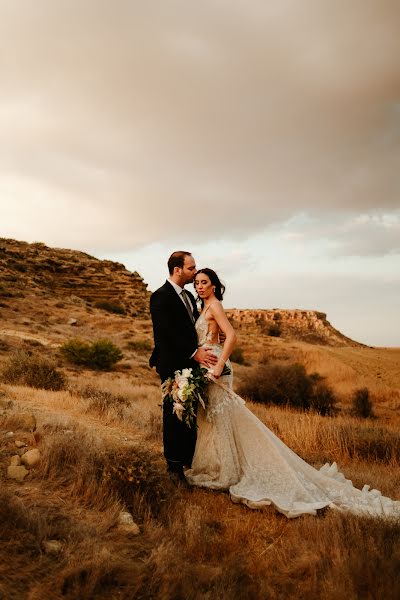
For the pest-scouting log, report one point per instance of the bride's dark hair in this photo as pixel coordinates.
(215, 281)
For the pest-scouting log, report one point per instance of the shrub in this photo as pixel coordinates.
(4, 346)
(237, 356)
(362, 404)
(23, 368)
(110, 307)
(278, 384)
(100, 401)
(139, 345)
(288, 385)
(100, 355)
(323, 399)
(274, 330)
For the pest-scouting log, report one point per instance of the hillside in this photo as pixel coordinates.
(63, 273)
(73, 277)
(96, 515)
(306, 325)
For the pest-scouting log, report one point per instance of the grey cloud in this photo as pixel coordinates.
(137, 118)
(369, 234)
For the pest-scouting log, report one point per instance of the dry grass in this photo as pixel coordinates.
(101, 452)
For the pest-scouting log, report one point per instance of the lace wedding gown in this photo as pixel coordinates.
(235, 451)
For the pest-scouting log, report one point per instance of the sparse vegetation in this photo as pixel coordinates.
(140, 345)
(33, 370)
(110, 307)
(362, 404)
(101, 452)
(237, 356)
(101, 401)
(288, 385)
(273, 330)
(101, 354)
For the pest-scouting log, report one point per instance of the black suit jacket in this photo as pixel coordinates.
(175, 337)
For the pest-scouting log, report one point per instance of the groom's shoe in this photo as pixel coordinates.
(179, 479)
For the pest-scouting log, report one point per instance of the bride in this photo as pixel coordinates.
(235, 451)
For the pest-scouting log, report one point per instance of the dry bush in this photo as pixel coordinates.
(4, 346)
(110, 307)
(139, 480)
(102, 401)
(237, 356)
(33, 370)
(287, 385)
(154, 426)
(140, 345)
(362, 404)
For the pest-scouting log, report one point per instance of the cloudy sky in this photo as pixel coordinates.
(264, 136)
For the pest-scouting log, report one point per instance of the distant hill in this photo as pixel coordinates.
(35, 276)
(305, 325)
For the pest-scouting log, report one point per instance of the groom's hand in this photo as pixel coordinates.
(206, 357)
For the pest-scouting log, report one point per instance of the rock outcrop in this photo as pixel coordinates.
(307, 325)
(68, 273)
(76, 282)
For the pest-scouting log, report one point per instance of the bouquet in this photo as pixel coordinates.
(185, 390)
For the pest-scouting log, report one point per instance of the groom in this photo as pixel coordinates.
(174, 313)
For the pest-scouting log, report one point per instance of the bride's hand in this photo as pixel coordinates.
(217, 370)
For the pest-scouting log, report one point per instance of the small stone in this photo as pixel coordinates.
(52, 546)
(72, 322)
(9, 434)
(17, 472)
(127, 523)
(15, 460)
(31, 458)
(20, 444)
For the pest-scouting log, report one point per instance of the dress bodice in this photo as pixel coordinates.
(204, 334)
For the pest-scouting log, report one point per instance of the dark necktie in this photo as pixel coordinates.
(187, 304)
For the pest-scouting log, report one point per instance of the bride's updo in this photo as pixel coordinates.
(215, 281)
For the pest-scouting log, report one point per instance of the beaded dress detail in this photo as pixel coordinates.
(236, 452)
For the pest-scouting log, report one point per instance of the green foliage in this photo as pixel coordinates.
(24, 368)
(237, 356)
(288, 385)
(362, 404)
(139, 345)
(100, 355)
(110, 307)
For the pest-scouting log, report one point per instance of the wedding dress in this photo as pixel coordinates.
(235, 451)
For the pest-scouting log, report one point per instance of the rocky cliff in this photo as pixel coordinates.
(69, 276)
(65, 273)
(307, 325)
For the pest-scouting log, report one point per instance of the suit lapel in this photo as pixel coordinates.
(178, 302)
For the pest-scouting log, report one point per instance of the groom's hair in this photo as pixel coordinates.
(177, 259)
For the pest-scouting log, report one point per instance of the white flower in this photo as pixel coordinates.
(177, 410)
(180, 394)
(187, 373)
(181, 381)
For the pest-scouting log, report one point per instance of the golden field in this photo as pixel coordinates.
(101, 453)
(99, 458)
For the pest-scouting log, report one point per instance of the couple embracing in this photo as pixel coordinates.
(232, 450)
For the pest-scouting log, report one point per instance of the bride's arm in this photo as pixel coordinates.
(217, 311)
